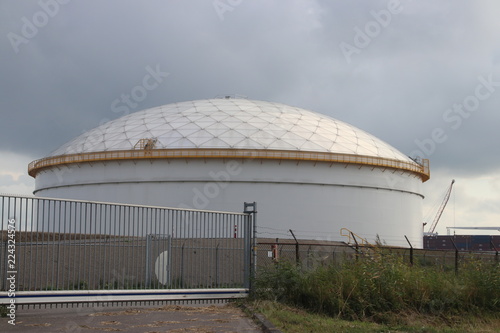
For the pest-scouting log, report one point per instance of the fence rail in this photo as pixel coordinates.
(80, 246)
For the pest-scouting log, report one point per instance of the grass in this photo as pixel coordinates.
(294, 320)
(384, 292)
(3, 311)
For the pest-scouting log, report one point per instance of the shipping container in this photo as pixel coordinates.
(481, 247)
(496, 242)
(463, 239)
(477, 239)
(462, 242)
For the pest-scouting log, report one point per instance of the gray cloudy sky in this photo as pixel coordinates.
(422, 75)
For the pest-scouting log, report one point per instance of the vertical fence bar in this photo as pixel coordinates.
(254, 239)
(4, 263)
(90, 282)
(247, 263)
(216, 266)
(202, 279)
(42, 241)
(4, 248)
(169, 261)
(182, 266)
(33, 247)
(111, 252)
(87, 282)
(51, 242)
(61, 231)
(148, 261)
(103, 242)
(83, 224)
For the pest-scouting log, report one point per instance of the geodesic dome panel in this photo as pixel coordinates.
(231, 123)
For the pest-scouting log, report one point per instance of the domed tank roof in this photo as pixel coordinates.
(232, 124)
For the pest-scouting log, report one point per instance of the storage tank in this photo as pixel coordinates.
(308, 172)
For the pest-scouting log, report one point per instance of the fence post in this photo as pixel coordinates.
(456, 256)
(357, 246)
(309, 261)
(494, 248)
(250, 241)
(297, 255)
(411, 251)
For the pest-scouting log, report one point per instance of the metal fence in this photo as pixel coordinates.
(65, 245)
(310, 254)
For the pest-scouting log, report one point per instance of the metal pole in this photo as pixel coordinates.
(246, 251)
(297, 256)
(357, 246)
(411, 251)
(251, 209)
(494, 248)
(148, 261)
(254, 245)
(456, 256)
(169, 261)
(182, 266)
(5, 269)
(217, 265)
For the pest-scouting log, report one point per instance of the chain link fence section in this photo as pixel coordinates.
(310, 254)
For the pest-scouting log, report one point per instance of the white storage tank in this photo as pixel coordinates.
(307, 172)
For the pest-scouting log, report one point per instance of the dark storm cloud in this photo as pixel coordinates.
(424, 58)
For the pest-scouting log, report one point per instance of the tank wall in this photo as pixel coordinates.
(227, 171)
(313, 199)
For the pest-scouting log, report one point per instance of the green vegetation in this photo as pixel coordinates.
(294, 320)
(384, 290)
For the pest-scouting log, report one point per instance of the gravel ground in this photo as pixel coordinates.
(170, 318)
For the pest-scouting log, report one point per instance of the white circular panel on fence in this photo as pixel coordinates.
(161, 268)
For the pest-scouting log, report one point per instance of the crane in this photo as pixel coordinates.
(440, 210)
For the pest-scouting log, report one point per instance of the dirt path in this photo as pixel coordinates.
(171, 318)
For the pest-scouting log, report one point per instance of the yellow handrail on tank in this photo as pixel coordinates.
(354, 237)
(420, 169)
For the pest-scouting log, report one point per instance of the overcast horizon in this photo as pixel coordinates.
(423, 76)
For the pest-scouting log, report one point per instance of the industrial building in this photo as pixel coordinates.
(307, 172)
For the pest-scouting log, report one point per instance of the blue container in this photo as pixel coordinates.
(480, 239)
(461, 238)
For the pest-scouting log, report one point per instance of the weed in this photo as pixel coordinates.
(376, 287)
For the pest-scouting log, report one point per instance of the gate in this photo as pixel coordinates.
(65, 251)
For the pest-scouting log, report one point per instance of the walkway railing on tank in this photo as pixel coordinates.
(421, 169)
(65, 245)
